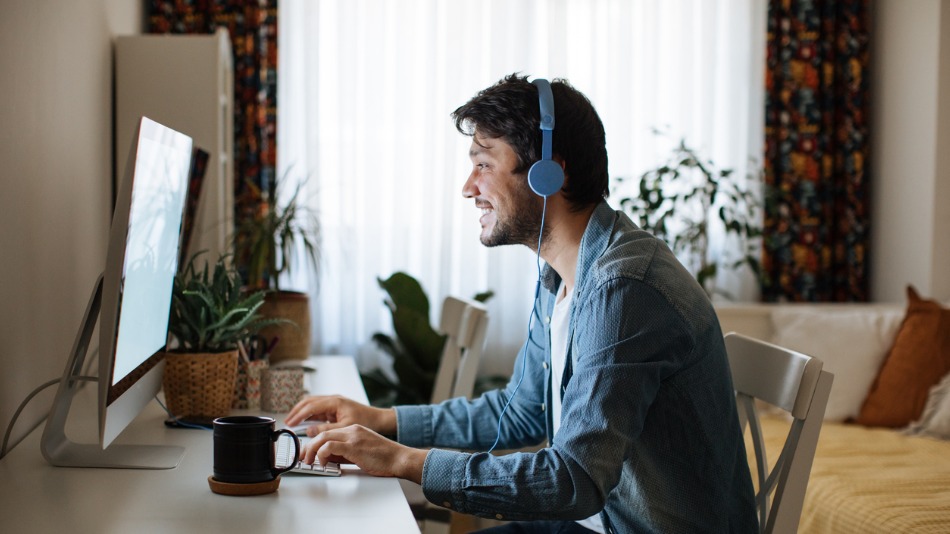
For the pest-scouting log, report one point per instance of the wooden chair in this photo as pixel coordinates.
(796, 384)
(465, 322)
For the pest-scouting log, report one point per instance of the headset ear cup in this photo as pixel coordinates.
(546, 177)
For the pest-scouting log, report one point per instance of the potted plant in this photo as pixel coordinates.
(211, 315)
(679, 200)
(266, 243)
(416, 349)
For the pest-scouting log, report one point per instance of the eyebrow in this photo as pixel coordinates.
(481, 149)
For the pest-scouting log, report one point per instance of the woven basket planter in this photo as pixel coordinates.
(294, 339)
(200, 385)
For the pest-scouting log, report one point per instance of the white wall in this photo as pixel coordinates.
(55, 163)
(940, 264)
(910, 139)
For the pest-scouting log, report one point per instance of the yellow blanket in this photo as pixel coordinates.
(868, 480)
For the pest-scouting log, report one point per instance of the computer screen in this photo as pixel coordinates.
(132, 301)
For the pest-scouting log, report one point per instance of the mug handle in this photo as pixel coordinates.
(276, 435)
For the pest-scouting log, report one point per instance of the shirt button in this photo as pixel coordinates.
(545, 365)
(547, 319)
(542, 407)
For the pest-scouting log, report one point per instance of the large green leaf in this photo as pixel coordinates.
(415, 382)
(484, 296)
(419, 339)
(416, 349)
(405, 292)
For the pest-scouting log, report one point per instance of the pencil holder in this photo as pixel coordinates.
(281, 388)
(247, 388)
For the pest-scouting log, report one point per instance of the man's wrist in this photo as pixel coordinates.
(412, 464)
(386, 422)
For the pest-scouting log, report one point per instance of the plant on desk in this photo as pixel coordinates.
(416, 349)
(211, 315)
(265, 243)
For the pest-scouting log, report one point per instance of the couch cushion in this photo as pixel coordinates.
(918, 360)
(851, 343)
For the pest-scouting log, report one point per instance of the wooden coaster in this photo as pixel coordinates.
(243, 490)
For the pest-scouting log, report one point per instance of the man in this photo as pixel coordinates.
(624, 371)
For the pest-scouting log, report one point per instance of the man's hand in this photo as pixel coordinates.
(374, 454)
(338, 412)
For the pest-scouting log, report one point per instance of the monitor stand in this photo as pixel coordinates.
(56, 446)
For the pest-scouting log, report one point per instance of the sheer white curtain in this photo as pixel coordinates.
(365, 92)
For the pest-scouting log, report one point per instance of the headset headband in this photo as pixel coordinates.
(546, 176)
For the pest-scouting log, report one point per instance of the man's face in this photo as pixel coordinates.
(511, 213)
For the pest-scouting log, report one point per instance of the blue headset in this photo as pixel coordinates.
(546, 176)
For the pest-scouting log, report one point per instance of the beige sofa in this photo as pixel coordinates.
(863, 479)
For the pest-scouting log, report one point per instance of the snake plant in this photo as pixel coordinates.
(210, 310)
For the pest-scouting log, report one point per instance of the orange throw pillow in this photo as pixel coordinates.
(918, 360)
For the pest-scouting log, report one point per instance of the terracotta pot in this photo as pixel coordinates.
(293, 339)
(200, 385)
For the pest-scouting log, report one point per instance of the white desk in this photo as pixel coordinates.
(37, 497)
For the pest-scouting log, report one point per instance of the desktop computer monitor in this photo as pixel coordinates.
(132, 302)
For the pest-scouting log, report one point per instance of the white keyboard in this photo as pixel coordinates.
(285, 457)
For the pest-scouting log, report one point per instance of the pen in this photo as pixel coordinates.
(270, 346)
(243, 352)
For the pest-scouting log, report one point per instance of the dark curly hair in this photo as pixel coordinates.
(509, 110)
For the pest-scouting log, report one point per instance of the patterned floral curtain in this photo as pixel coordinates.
(252, 25)
(816, 205)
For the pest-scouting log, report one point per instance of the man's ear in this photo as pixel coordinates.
(560, 161)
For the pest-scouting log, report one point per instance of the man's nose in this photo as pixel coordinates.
(469, 189)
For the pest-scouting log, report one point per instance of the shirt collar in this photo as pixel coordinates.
(593, 244)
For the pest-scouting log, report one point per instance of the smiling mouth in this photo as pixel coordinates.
(486, 210)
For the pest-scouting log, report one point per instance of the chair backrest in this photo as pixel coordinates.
(465, 323)
(797, 384)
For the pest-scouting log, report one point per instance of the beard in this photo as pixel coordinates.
(522, 225)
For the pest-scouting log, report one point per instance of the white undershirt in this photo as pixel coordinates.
(560, 326)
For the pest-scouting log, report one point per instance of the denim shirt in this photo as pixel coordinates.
(649, 432)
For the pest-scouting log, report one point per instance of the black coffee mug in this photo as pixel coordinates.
(244, 449)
